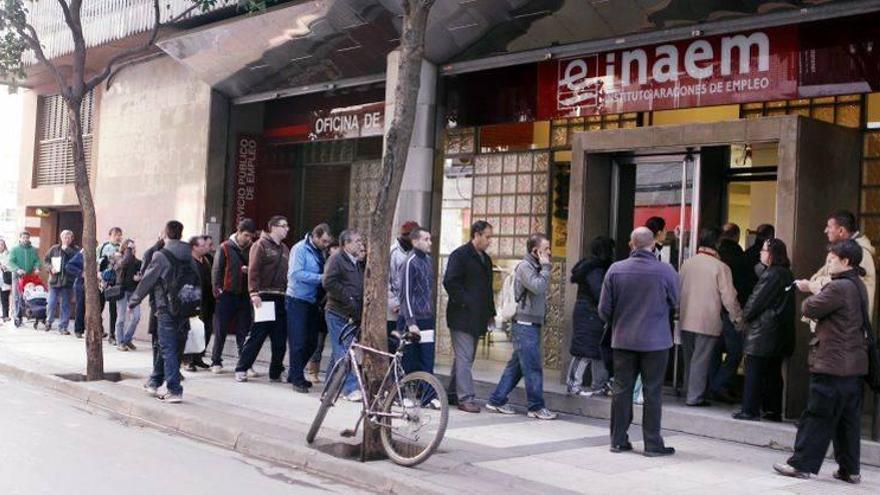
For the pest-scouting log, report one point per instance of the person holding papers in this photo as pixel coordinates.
(60, 284)
(267, 284)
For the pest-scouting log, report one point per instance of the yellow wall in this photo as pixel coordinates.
(696, 115)
(873, 110)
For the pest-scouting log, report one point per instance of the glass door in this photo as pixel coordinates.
(657, 185)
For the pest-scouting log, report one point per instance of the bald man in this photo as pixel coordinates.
(637, 296)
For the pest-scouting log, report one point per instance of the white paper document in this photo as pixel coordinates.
(56, 264)
(266, 312)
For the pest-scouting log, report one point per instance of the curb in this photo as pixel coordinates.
(383, 478)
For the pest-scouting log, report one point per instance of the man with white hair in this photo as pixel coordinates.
(637, 295)
(60, 282)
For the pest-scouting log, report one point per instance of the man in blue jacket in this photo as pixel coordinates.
(416, 298)
(74, 269)
(637, 295)
(304, 276)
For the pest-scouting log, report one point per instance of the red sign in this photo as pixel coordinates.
(337, 123)
(246, 167)
(733, 68)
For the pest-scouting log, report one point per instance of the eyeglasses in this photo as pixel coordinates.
(283, 226)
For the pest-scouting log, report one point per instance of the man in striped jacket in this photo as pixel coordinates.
(417, 303)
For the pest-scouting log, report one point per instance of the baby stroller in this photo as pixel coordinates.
(32, 301)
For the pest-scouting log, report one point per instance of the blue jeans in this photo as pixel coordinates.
(419, 357)
(64, 297)
(302, 336)
(733, 347)
(524, 363)
(335, 324)
(127, 320)
(172, 336)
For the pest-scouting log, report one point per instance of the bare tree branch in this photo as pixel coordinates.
(110, 69)
(30, 36)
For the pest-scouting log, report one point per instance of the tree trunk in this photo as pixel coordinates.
(373, 330)
(94, 329)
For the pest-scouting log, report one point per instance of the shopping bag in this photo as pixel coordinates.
(195, 340)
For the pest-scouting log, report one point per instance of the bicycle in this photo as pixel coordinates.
(410, 410)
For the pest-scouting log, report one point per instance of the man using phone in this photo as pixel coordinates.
(229, 278)
(532, 279)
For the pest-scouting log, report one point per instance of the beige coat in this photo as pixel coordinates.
(822, 277)
(706, 288)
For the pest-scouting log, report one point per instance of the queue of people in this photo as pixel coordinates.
(730, 304)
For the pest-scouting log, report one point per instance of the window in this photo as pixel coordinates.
(53, 163)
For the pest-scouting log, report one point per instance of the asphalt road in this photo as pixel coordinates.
(50, 445)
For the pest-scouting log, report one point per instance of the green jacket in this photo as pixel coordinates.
(24, 258)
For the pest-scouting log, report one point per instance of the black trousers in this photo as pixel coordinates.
(112, 310)
(79, 322)
(652, 367)
(277, 333)
(833, 415)
(4, 299)
(763, 385)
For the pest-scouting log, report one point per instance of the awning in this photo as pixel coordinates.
(321, 41)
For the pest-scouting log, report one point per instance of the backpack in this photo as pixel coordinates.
(183, 287)
(509, 300)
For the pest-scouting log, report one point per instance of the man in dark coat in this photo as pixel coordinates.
(742, 269)
(470, 310)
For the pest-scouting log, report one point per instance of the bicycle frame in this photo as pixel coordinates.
(371, 406)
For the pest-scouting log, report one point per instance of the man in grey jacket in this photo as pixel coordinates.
(171, 330)
(530, 287)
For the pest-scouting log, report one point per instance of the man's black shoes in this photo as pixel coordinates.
(625, 447)
(662, 452)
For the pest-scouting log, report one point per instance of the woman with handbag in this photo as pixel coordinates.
(5, 279)
(127, 270)
(769, 335)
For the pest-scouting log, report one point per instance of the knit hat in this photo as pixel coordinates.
(408, 227)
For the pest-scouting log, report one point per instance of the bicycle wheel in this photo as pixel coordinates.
(419, 413)
(329, 396)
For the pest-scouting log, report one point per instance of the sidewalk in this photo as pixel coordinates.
(481, 453)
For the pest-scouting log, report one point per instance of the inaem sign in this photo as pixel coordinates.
(753, 66)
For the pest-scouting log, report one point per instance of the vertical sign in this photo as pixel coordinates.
(246, 168)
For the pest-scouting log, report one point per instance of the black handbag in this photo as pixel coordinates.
(113, 293)
(7, 278)
(873, 376)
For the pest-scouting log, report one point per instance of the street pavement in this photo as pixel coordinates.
(52, 445)
(481, 453)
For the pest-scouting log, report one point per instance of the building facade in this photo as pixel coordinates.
(543, 120)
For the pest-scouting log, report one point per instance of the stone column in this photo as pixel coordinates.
(414, 202)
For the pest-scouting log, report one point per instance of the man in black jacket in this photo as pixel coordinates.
(60, 283)
(344, 282)
(471, 309)
(744, 279)
(229, 278)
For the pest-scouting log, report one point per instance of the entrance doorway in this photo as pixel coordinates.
(769, 170)
(661, 185)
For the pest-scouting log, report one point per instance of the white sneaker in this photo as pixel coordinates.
(216, 369)
(171, 398)
(151, 390)
(355, 396)
(543, 414)
(504, 409)
(252, 374)
(241, 376)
